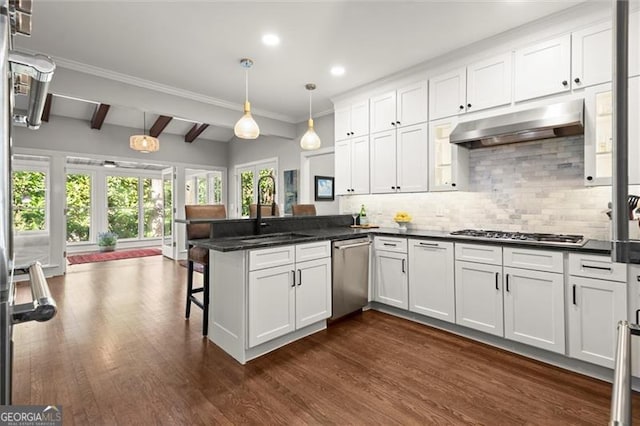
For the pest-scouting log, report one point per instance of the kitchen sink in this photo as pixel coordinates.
(272, 238)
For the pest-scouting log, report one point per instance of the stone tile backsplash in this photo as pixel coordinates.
(534, 186)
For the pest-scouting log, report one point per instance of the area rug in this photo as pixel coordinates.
(112, 255)
(196, 266)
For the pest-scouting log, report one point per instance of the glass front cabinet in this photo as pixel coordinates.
(449, 163)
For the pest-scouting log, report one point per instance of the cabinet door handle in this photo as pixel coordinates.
(497, 277)
(507, 278)
(468, 105)
(299, 277)
(393, 124)
(576, 80)
(293, 278)
(389, 244)
(589, 177)
(600, 268)
(393, 187)
(637, 316)
(565, 83)
(429, 244)
(397, 122)
(461, 107)
(574, 295)
(404, 265)
(397, 187)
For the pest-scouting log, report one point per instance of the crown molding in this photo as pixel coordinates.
(162, 88)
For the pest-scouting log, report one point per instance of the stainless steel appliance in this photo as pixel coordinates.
(350, 286)
(524, 237)
(27, 74)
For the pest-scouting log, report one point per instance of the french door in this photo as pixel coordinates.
(168, 213)
(248, 177)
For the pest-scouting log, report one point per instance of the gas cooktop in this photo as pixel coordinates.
(562, 239)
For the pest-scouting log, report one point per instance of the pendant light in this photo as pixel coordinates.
(144, 143)
(246, 127)
(310, 139)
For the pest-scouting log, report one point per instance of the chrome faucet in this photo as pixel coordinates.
(259, 223)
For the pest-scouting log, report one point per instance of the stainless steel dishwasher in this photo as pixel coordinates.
(350, 287)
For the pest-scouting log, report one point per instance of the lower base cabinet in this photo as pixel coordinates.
(391, 285)
(534, 308)
(479, 303)
(595, 306)
(431, 279)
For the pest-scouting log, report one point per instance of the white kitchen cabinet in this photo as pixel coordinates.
(351, 121)
(447, 94)
(595, 306)
(591, 55)
(399, 160)
(543, 69)
(534, 308)
(448, 163)
(271, 303)
(634, 44)
(352, 166)
(431, 279)
(313, 291)
(391, 284)
(633, 293)
(598, 133)
(399, 108)
(286, 298)
(479, 302)
(489, 83)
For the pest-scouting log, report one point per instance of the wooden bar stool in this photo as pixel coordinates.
(303, 210)
(200, 255)
(265, 210)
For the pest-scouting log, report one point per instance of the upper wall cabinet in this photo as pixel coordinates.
(591, 55)
(448, 94)
(489, 83)
(352, 166)
(483, 84)
(399, 108)
(634, 44)
(352, 121)
(448, 163)
(543, 69)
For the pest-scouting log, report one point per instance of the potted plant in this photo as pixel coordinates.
(107, 241)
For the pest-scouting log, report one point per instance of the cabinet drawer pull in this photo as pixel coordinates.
(293, 278)
(574, 295)
(497, 276)
(299, 277)
(507, 278)
(389, 244)
(600, 268)
(429, 244)
(637, 316)
(404, 269)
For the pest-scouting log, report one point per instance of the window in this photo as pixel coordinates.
(249, 178)
(29, 200)
(122, 206)
(152, 205)
(203, 187)
(78, 207)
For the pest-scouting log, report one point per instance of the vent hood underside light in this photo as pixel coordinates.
(551, 121)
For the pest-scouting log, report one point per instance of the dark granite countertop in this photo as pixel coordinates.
(248, 242)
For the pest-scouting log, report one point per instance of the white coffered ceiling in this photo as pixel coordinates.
(196, 45)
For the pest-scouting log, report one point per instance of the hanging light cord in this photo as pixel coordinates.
(310, 95)
(246, 85)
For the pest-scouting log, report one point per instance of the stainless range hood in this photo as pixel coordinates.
(549, 121)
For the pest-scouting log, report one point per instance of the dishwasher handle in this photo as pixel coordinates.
(348, 246)
(42, 307)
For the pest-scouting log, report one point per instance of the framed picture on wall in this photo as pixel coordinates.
(324, 188)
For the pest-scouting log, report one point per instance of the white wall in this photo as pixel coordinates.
(265, 147)
(322, 165)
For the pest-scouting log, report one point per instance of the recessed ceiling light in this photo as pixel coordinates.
(271, 39)
(337, 70)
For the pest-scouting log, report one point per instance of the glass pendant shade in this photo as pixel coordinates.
(310, 139)
(144, 143)
(246, 127)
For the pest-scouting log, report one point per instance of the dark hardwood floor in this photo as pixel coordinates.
(120, 352)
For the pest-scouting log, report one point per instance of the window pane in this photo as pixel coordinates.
(78, 207)
(29, 201)
(202, 190)
(152, 205)
(215, 182)
(266, 186)
(246, 182)
(167, 188)
(122, 206)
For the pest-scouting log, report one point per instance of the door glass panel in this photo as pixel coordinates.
(152, 207)
(201, 183)
(167, 216)
(604, 128)
(78, 207)
(122, 206)
(266, 186)
(29, 200)
(215, 185)
(246, 191)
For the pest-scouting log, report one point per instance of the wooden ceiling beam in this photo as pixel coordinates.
(47, 108)
(159, 125)
(195, 131)
(99, 115)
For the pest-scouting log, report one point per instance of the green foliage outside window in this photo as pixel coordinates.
(29, 200)
(122, 206)
(78, 207)
(246, 187)
(152, 202)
